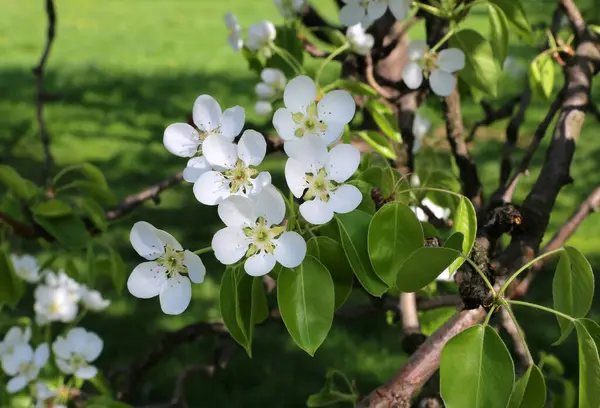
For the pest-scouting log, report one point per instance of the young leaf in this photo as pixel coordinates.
(355, 87)
(529, 390)
(94, 211)
(572, 288)
(515, 13)
(68, 230)
(305, 296)
(394, 234)
(11, 286)
(481, 68)
(379, 178)
(52, 209)
(331, 254)
(541, 75)
(117, 270)
(89, 189)
(423, 266)
(385, 119)
(429, 231)
(455, 241)
(588, 338)
(379, 143)
(354, 228)
(229, 302)
(24, 189)
(465, 222)
(498, 32)
(476, 370)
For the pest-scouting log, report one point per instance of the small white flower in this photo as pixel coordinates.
(24, 365)
(420, 127)
(235, 32)
(26, 267)
(439, 67)
(360, 42)
(93, 300)
(57, 299)
(14, 337)
(45, 397)
(237, 163)
(260, 37)
(290, 8)
(367, 11)
(253, 231)
(75, 352)
(169, 271)
(438, 211)
(318, 177)
(303, 116)
(263, 108)
(272, 84)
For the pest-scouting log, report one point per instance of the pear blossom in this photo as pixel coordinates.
(439, 67)
(272, 84)
(235, 32)
(57, 299)
(24, 365)
(318, 176)
(260, 37)
(196, 166)
(253, 232)
(360, 42)
(420, 127)
(263, 108)
(290, 8)
(26, 267)
(367, 11)
(45, 397)
(74, 352)
(238, 162)
(168, 272)
(13, 338)
(93, 300)
(303, 116)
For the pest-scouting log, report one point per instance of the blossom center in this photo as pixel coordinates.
(261, 236)
(319, 186)
(309, 122)
(364, 3)
(77, 361)
(172, 260)
(240, 177)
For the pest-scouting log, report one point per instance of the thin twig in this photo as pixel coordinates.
(372, 81)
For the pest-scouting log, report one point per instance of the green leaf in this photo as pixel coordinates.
(594, 28)
(379, 178)
(68, 230)
(465, 222)
(331, 254)
(254, 63)
(260, 307)
(117, 270)
(105, 402)
(498, 32)
(334, 35)
(89, 171)
(476, 370)
(288, 40)
(429, 231)
(367, 204)
(331, 393)
(305, 296)
(431, 320)
(588, 338)
(455, 241)
(354, 228)
(385, 119)
(12, 287)
(568, 398)
(52, 209)
(515, 13)
(481, 68)
(378, 142)
(88, 188)
(541, 75)
(572, 288)
(394, 234)
(94, 212)
(355, 87)
(552, 364)
(231, 298)
(530, 390)
(23, 188)
(423, 266)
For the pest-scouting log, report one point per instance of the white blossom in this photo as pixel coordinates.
(272, 83)
(93, 300)
(303, 116)
(196, 166)
(26, 267)
(260, 37)
(237, 163)
(360, 41)
(439, 67)
(235, 32)
(367, 11)
(420, 127)
(263, 108)
(24, 365)
(318, 176)
(75, 352)
(57, 299)
(253, 232)
(14, 337)
(45, 397)
(168, 272)
(290, 8)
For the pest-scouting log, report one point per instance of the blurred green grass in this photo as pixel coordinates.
(121, 72)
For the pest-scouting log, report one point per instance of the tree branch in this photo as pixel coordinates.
(21, 229)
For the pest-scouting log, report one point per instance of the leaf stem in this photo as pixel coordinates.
(327, 60)
(519, 331)
(288, 58)
(441, 42)
(544, 308)
(525, 267)
(489, 315)
(480, 272)
(203, 250)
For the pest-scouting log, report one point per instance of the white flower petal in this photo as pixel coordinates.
(421, 216)
(264, 91)
(316, 211)
(259, 264)
(211, 188)
(295, 176)
(345, 199)
(42, 353)
(263, 108)
(376, 9)
(333, 133)
(145, 241)
(93, 347)
(420, 126)
(219, 151)
(175, 295)
(235, 41)
(61, 348)
(259, 182)
(252, 148)
(416, 50)
(337, 106)
(399, 8)
(230, 20)
(237, 211)
(11, 363)
(299, 93)
(284, 124)
(168, 239)
(230, 245)
(412, 74)
(351, 14)
(290, 249)
(451, 60)
(16, 384)
(146, 280)
(232, 122)
(195, 267)
(181, 139)
(206, 113)
(343, 162)
(64, 366)
(310, 150)
(274, 77)
(196, 167)
(269, 204)
(438, 211)
(86, 372)
(441, 82)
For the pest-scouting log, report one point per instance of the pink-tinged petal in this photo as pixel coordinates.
(145, 241)
(284, 124)
(316, 211)
(416, 50)
(230, 245)
(269, 203)
(181, 140)
(220, 152)
(175, 295)
(232, 122)
(412, 74)
(337, 106)
(343, 162)
(345, 199)
(451, 60)
(299, 93)
(441, 82)
(146, 280)
(237, 211)
(196, 167)
(195, 267)
(252, 148)
(206, 113)
(290, 249)
(259, 264)
(211, 188)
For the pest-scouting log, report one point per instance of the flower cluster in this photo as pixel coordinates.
(259, 39)
(271, 87)
(360, 42)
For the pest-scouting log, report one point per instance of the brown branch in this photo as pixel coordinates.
(372, 81)
(492, 115)
(39, 74)
(21, 229)
(512, 136)
(408, 311)
(574, 16)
